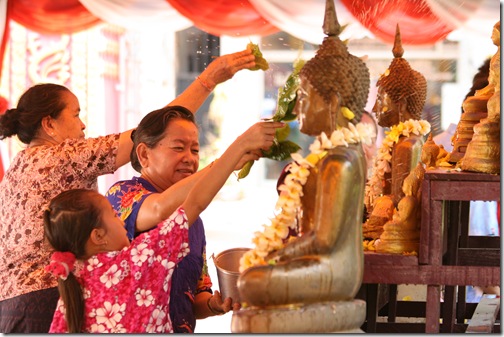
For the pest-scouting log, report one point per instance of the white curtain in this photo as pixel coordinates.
(300, 18)
(304, 19)
(139, 15)
(467, 16)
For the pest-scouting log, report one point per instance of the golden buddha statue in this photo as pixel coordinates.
(315, 276)
(483, 151)
(430, 153)
(401, 96)
(402, 233)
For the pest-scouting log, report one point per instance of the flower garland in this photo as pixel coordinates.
(382, 160)
(291, 191)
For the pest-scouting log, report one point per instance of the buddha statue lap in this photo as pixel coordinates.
(312, 284)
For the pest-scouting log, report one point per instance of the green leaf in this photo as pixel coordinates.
(287, 95)
(281, 150)
(281, 134)
(260, 61)
(245, 169)
(289, 115)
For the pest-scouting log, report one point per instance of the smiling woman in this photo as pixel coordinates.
(166, 154)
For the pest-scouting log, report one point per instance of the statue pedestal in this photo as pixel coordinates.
(342, 316)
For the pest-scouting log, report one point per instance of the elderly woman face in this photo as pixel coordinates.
(175, 156)
(68, 125)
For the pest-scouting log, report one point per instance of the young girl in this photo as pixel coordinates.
(117, 286)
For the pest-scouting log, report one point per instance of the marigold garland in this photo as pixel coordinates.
(382, 160)
(273, 236)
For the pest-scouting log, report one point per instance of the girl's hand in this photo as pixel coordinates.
(252, 155)
(259, 136)
(224, 67)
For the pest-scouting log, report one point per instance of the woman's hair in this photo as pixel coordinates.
(68, 223)
(480, 79)
(37, 102)
(152, 127)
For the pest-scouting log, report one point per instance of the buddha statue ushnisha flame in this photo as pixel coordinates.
(319, 271)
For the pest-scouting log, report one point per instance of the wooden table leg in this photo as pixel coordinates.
(449, 306)
(432, 309)
(392, 304)
(371, 307)
(461, 304)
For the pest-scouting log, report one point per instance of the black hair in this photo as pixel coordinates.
(152, 127)
(37, 102)
(68, 222)
(480, 80)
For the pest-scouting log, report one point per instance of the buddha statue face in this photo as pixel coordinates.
(387, 111)
(315, 115)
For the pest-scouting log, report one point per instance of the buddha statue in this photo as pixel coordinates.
(311, 281)
(401, 96)
(483, 151)
(401, 234)
(430, 153)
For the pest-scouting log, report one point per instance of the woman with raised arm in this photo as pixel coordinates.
(59, 157)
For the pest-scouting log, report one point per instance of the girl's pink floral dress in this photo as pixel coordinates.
(128, 291)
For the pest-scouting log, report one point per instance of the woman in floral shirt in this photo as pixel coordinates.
(166, 155)
(122, 287)
(57, 158)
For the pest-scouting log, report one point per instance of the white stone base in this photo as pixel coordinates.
(311, 318)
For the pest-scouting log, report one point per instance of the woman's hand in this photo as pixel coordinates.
(224, 67)
(219, 307)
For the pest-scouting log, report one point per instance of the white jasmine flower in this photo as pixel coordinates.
(291, 191)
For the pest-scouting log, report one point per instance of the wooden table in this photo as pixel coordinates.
(447, 255)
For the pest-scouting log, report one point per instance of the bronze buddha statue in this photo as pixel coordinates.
(322, 268)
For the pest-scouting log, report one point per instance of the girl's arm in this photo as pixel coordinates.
(260, 135)
(159, 206)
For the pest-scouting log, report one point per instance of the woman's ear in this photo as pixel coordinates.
(46, 124)
(142, 152)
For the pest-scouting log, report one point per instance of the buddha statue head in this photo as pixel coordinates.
(329, 82)
(401, 90)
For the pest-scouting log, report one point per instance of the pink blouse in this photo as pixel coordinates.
(129, 291)
(34, 177)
